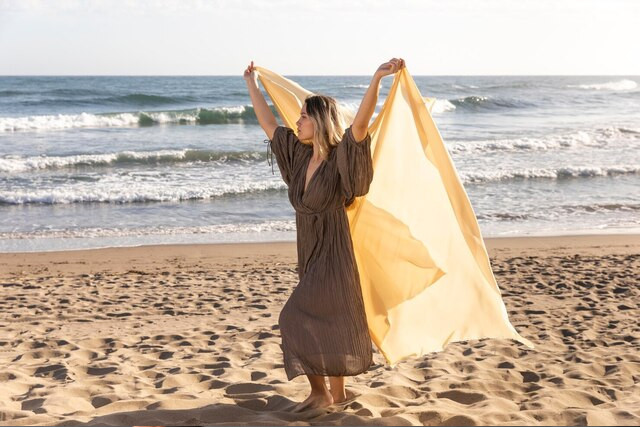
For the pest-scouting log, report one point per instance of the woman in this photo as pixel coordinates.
(323, 324)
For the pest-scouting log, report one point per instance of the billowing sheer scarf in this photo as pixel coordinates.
(425, 273)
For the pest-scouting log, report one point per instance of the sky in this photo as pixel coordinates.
(319, 37)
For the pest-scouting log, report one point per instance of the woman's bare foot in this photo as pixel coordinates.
(346, 397)
(339, 397)
(315, 400)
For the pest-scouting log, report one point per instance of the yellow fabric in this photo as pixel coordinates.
(424, 270)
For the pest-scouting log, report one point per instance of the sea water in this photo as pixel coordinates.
(90, 162)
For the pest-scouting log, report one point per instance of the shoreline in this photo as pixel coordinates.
(110, 257)
(68, 243)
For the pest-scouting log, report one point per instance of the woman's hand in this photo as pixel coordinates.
(250, 74)
(391, 67)
(262, 111)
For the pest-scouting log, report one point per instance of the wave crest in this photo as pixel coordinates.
(219, 115)
(568, 172)
(124, 192)
(624, 84)
(474, 103)
(593, 138)
(24, 164)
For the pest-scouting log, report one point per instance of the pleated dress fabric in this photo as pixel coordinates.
(323, 323)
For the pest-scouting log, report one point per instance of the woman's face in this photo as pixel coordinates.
(305, 125)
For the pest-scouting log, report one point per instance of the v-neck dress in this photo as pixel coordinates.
(323, 324)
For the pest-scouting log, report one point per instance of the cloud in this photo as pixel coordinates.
(190, 6)
(115, 7)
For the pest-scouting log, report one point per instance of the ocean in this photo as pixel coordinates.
(89, 162)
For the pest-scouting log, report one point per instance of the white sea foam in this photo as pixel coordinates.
(23, 164)
(624, 84)
(589, 138)
(17, 164)
(549, 173)
(89, 120)
(65, 121)
(86, 120)
(156, 186)
(352, 106)
(247, 227)
(525, 143)
(117, 190)
(440, 106)
(239, 109)
(443, 106)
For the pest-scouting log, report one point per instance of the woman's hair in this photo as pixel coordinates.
(328, 122)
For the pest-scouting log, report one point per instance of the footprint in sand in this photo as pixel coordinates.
(530, 377)
(165, 355)
(245, 388)
(100, 401)
(257, 375)
(463, 397)
(100, 371)
(258, 404)
(57, 371)
(460, 420)
(34, 405)
(506, 365)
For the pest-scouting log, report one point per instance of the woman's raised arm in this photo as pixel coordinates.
(264, 114)
(360, 124)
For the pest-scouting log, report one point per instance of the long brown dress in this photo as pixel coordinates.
(323, 324)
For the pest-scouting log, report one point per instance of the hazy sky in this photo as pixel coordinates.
(319, 37)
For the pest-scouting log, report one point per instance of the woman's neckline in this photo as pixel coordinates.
(315, 172)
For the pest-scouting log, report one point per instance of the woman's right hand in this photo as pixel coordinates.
(250, 73)
(391, 67)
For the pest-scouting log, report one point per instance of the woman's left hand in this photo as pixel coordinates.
(391, 67)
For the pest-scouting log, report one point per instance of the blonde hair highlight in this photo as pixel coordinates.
(328, 129)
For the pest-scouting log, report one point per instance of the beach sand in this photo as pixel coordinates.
(188, 335)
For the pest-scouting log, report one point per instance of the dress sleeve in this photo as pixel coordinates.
(354, 165)
(286, 147)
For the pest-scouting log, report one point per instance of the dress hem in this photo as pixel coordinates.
(300, 369)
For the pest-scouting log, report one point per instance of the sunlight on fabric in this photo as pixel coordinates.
(424, 269)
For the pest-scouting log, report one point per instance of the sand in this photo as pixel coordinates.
(188, 335)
